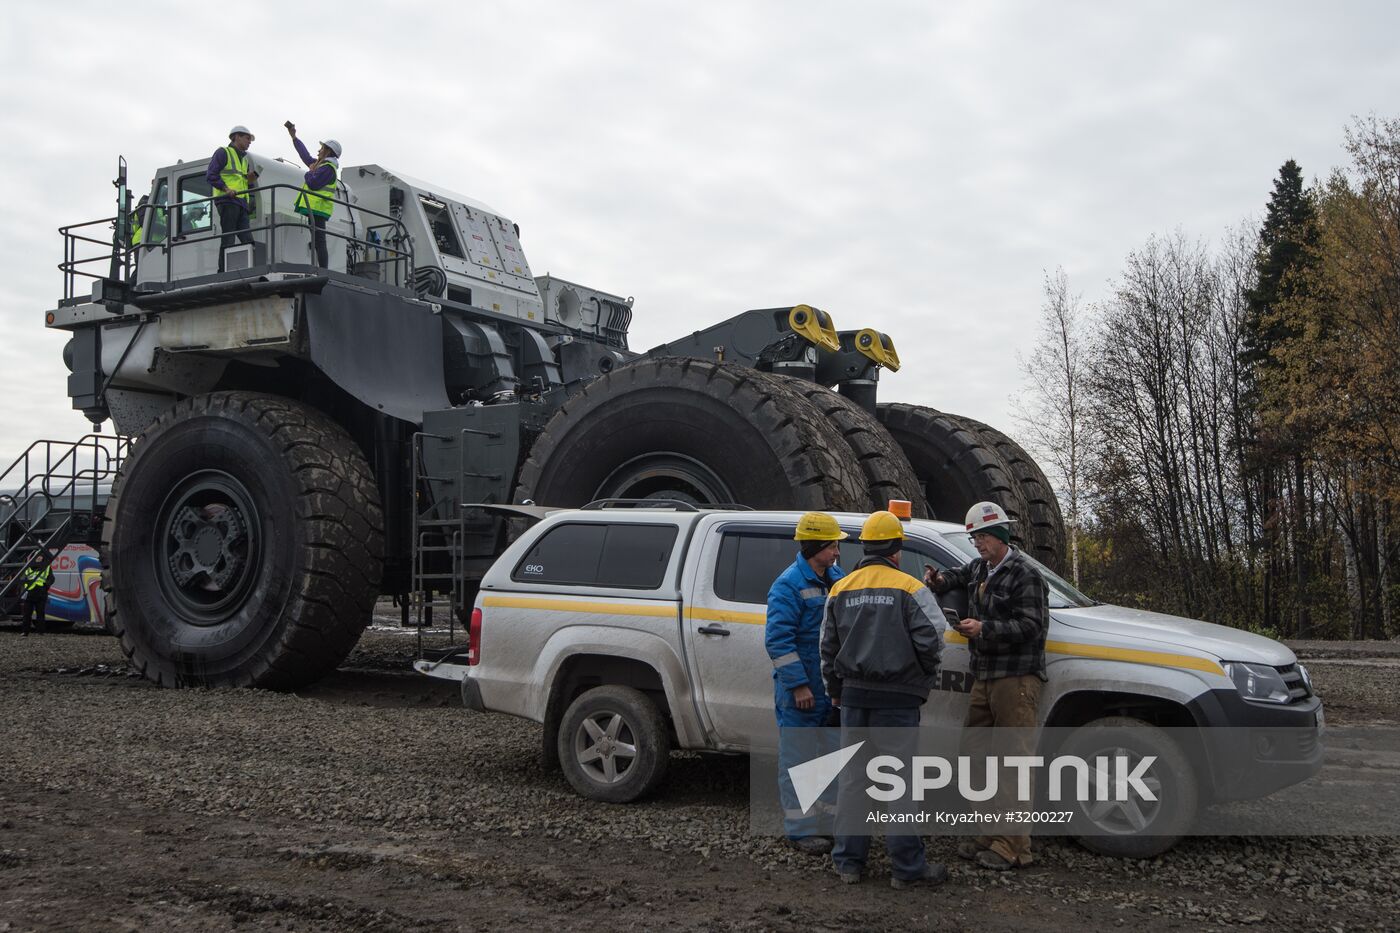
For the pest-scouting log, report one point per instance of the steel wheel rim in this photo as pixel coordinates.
(1126, 818)
(665, 475)
(605, 747)
(207, 547)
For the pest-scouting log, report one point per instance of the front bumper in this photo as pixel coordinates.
(1254, 749)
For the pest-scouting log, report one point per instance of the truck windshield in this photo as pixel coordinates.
(1062, 594)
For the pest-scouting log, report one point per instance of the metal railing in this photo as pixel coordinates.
(385, 245)
(55, 482)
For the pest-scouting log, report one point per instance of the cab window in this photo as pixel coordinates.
(440, 222)
(196, 213)
(155, 222)
(749, 562)
(627, 556)
(918, 553)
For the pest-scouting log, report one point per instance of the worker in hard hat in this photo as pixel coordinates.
(34, 583)
(319, 188)
(792, 634)
(231, 174)
(882, 640)
(1008, 620)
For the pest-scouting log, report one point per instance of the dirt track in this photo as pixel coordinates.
(374, 802)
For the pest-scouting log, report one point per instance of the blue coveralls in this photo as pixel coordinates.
(792, 635)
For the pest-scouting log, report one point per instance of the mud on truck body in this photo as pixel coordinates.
(307, 439)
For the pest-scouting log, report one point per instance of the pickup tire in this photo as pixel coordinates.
(1135, 829)
(613, 744)
(243, 544)
(700, 432)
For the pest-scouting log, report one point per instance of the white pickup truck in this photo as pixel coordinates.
(629, 632)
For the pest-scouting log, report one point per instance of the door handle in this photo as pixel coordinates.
(713, 629)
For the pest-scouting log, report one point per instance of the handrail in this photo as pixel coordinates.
(42, 481)
(79, 492)
(384, 251)
(96, 442)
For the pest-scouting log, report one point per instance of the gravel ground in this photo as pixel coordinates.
(373, 801)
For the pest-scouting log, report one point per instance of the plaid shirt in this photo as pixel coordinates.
(1014, 606)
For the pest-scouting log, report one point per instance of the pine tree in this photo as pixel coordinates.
(1286, 263)
(1286, 255)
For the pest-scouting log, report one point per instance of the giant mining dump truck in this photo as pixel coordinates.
(307, 439)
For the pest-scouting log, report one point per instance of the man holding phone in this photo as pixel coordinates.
(1008, 620)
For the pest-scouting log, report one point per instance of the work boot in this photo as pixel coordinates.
(934, 874)
(989, 859)
(848, 877)
(968, 849)
(811, 845)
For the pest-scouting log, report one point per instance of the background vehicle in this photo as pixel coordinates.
(631, 631)
(306, 438)
(75, 598)
(52, 499)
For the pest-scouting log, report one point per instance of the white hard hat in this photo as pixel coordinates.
(240, 128)
(984, 515)
(332, 145)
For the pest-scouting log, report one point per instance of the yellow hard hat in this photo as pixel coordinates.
(882, 526)
(818, 526)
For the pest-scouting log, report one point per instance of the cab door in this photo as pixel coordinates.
(724, 615)
(155, 229)
(194, 237)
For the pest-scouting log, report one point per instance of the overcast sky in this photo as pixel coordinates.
(914, 167)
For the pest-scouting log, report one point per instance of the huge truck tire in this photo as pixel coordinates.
(1046, 524)
(955, 465)
(243, 544)
(695, 431)
(888, 474)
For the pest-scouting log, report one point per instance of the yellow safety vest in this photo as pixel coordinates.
(37, 579)
(318, 200)
(235, 174)
(136, 228)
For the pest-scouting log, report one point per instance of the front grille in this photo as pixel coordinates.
(1293, 678)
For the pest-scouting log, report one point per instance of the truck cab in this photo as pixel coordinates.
(181, 239)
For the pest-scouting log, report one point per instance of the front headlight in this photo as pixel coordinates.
(1258, 682)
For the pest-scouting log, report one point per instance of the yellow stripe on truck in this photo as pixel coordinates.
(1100, 652)
(725, 615)
(1105, 653)
(1134, 656)
(568, 605)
